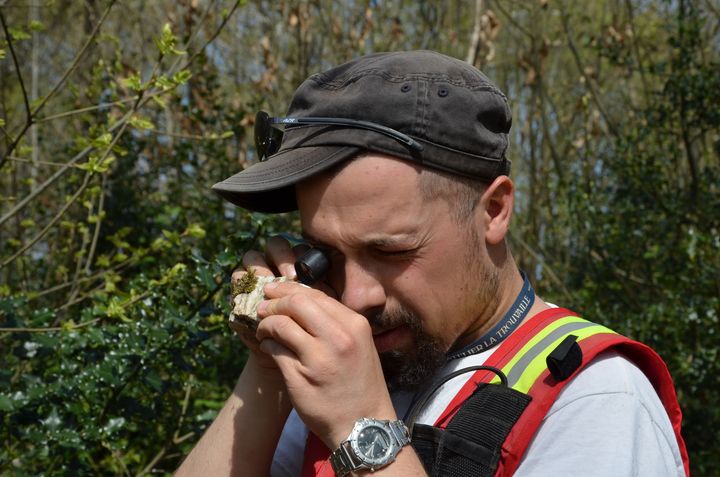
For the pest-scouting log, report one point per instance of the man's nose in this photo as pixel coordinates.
(362, 290)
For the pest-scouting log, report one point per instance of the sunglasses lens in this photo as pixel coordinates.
(267, 138)
(262, 133)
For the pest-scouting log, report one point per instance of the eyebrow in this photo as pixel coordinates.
(380, 241)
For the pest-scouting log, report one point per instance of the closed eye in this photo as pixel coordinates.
(403, 253)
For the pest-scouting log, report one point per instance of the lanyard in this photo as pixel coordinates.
(512, 319)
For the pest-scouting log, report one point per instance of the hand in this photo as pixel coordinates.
(279, 261)
(326, 354)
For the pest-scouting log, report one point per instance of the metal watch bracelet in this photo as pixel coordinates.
(345, 459)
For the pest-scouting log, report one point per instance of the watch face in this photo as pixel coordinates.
(374, 443)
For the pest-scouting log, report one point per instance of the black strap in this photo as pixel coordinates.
(565, 359)
(471, 443)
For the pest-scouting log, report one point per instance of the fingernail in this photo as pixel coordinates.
(271, 285)
(261, 306)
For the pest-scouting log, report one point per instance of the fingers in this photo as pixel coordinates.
(282, 356)
(312, 309)
(282, 256)
(280, 259)
(285, 331)
(304, 310)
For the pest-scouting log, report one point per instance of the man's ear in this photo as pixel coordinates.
(497, 201)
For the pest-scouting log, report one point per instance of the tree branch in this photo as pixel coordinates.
(17, 69)
(46, 98)
(98, 223)
(21, 205)
(588, 81)
(475, 42)
(82, 188)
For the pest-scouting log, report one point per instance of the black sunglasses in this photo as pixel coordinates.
(268, 137)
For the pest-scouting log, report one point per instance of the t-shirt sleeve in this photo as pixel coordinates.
(608, 421)
(288, 458)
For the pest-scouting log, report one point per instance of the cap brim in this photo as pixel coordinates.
(269, 186)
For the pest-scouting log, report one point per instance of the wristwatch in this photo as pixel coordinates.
(371, 444)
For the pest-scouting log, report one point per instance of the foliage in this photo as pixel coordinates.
(117, 116)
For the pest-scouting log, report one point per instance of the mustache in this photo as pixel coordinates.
(394, 317)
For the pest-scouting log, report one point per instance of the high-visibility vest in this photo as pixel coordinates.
(523, 359)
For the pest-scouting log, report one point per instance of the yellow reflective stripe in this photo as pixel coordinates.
(536, 339)
(538, 365)
(530, 362)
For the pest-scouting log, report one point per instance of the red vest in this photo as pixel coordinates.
(522, 357)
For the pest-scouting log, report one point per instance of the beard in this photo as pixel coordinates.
(408, 370)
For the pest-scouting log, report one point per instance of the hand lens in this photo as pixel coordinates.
(312, 266)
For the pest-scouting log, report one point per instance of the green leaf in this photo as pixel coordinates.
(116, 310)
(206, 278)
(196, 230)
(102, 141)
(133, 82)
(6, 403)
(35, 25)
(167, 41)
(159, 101)
(141, 122)
(164, 83)
(19, 35)
(181, 77)
(154, 380)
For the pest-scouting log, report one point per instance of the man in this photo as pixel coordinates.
(397, 165)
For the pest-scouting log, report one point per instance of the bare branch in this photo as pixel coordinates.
(64, 209)
(98, 224)
(44, 100)
(45, 163)
(50, 328)
(215, 34)
(68, 165)
(475, 41)
(17, 69)
(76, 60)
(50, 224)
(588, 81)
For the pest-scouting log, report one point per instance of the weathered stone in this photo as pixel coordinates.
(244, 313)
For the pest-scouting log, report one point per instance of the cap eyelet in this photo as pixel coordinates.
(405, 88)
(442, 92)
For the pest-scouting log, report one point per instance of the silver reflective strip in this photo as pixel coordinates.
(519, 368)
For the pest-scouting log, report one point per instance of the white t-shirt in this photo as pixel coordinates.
(607, 421)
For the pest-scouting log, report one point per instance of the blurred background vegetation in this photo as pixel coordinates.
(116, 117)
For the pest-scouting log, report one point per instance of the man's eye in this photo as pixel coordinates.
(398, 253)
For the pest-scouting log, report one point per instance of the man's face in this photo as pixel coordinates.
(421, 279)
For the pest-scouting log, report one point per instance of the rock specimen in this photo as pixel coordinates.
(247, 294)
